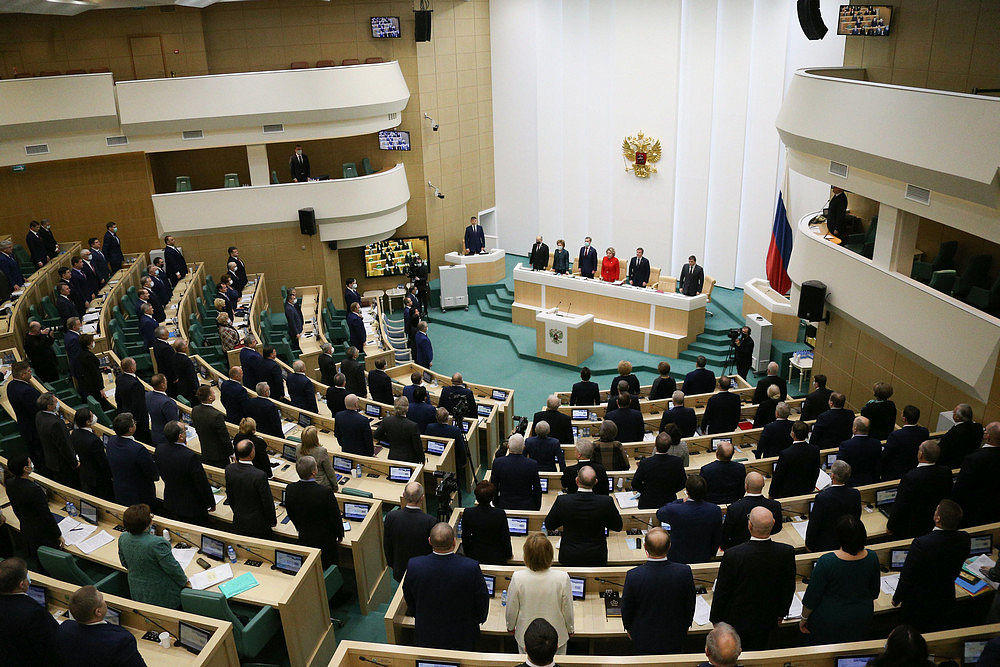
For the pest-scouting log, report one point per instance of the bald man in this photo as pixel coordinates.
(725, 477)
(584, 516)
(735, 529)
(722, 647)
(406, 531)
(453, 394)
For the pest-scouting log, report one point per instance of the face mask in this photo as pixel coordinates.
(586, 244)
(27, 577)
(55, 409)
(93, 419)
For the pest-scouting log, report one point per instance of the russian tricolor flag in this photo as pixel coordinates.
(780, 250)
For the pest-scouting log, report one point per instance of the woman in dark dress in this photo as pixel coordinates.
(560, 258)
(585, 392)
(663, 386)
(485, 536)
(94, 471)
(880, 411)
(625, 373)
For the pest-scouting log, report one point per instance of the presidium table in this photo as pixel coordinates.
(484, 269)
(661, 323)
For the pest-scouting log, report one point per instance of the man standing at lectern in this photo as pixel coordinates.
(475, 239)
(539, 257)
(692, 278)
(299, 165)
(588, 259)
(638, 270)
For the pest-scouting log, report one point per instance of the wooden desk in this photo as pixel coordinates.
(111, 295)
(485, 269)
(743, 388)
(37, 285)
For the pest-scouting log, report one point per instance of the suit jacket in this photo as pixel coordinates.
(408, 393)
(976, 489)
(186, 492)
(658, 606)
(327, 369)
(27, 632)
(100, 263)
(23, 399)
(91, 273)
(36, 249)
(863, 453)
(588, 261)
(816, 403)
(356, 331)
(725, 481)
(31, 507)
(691, 280)
(80, 286)
(585, 393)
(638, 271)
(164, 354)
(250, 499)
(241, 272)
(517, 482)
(796, 471)
(100, 645)
(765, 412)
(54, 437)
(658, 478)
(250, 361)
(380, 386)
(71, 341)
(187, 377)
(601, 488)
(485, 535)
(831, 503)
(630, 425)
(293, 320)
(405, 536)
(699, 381)
(66, 308)
(42, 357)
(403, 437)
(546, 452)
(354, 371)
(147, 327)
(633, 385)
(755, 585)
(695, 529)
(837, 214)
(213, 437)
(475, 239)
(162, 289)
(447, 596)
(760, 393)
(961, 440)
(422, 414)
(131, 397)
(882, 415)
(354, 433)
(832, 427)
(722, 413)
(685, 419)
(560, 425)
(662, 387)
(162, 409)
(335, 399)
(734, 527)
(265, 413)
(270, 372)
(88, 374)
(159, 314)
(454, 432)
(234, 397)
(175, 264)
(313, 509)
(539, 256)
(919, 492)
(299, 167)
(350, 296)
(900, 453)
(11, 269)
(583, 518)
(451, 395)
(926, 588)
(424, 351)
(774, 438)
(133, 471)
(113, 251)
(302, 392)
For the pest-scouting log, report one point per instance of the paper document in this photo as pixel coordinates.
(702, 611)
(889, 582)
(73, 531)
(92, 544)
(627, 499)
(89, 329)
(800, 527)
(219, 498)
(823, 480)
(795, 608)
(649, 437)
(202, 580)
(973, 565)
(91, 317)
(184, 556)
(286, 427)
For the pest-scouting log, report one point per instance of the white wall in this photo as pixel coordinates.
(573, 78)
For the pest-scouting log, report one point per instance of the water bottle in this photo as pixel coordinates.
(166, 535)
(232, 554)
(503, 599)
(458, 529)
(71, 509)
(357, 470)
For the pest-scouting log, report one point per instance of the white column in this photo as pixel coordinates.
(895, 239)
(260, 173)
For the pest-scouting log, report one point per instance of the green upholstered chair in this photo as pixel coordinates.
(863, 244)
(251, 637)
(103, 417)
(943, 281)
(987, 300)
(350, 170)
(274, 177)
(945, 259)
(231, 181)
(183, 183)
(976, 274)
(66, 567)
(366, 167)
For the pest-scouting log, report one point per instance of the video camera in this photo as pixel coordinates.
(735, 333)
(446, 488)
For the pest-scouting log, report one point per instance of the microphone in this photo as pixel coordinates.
(152, 622)
(372, 660)
(184, 537)
(557, 306)
(258, 555)
(570, 306)
(608, 581)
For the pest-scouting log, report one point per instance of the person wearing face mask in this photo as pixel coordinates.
(560, 258)
(299, 165)
(294, 320)
(588, 259)
(113, 248)
(94, 470)
(89, 380)
(31, 506)
(351, 294)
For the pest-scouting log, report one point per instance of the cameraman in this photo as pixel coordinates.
(743, 352)
(38, 348)
(419, 277)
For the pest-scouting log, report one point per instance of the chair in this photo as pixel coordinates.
(231, 181)
(863, 244)
(274, 177)
(299, 64)
(350, 61)
(251, 637)
(943, 281)
(706, 289)
(654, 276)
(350, 170)
(945, 259)
(210, 284)
(334, 581)
(66, 567)
(986, 300)
(96, 408)
(373, 59)
(183, 183)
(366, 166)
(976, 274)
(326, 63)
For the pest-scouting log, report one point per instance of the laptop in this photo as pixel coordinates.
(517, 525)
(287, 562)
(885, 499)
(192, 638)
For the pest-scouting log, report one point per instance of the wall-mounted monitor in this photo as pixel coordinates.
(864, 20)
(393, 140)
(385, 27)
(393, 257)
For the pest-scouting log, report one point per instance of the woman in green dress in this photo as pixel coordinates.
(154, 575)
(839, 601)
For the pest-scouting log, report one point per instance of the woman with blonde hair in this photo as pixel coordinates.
(625, 373)
(539, 592)
(248, 431)
(310, 446)
(610, 267)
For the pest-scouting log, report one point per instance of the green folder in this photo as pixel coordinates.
(244, 582)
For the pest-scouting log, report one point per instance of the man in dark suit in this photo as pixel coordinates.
(64, 304)
(961, 439)
(659, 477)
(833, 426)
(249, 495)
(351, 294)
(516, 478)
(818, 401)
(406, 531)
(79, 284)
(298, 164)
(31, 507)
(187, 376)
(354, 373)
(797, 468)
(176, 266)
(36, 246)
(88, 270)
(760, 393)
(132, 467)
(777, 435)
(113, 248)
(700, 380)
(327, 364)
(588, 259)
(147, 325)
(836, 218)
(98, 260)
(293, 320)
(161, 408)
(976, 489)
(631, 427)
(685, 418)
(456, 392)
(186, 492)
(301, 391)
(240, 280)
(725, 477)
(691, 281)
(51, 245)
(250, 361)
(420, 412)
(336, 394)
(10, 266)
(357, 335)
(424, 350)
(131, 397)
(60, 458)
(28, 629)
(440, 428)
(722, 411)
(538, 257)
(263, 411)
(658, 599)
(585, 392)
(163, 353)
(446, 594)
(638, 270)
(862, 452)
(560, 425)
(402, 434)
(830, 505)
(755, 584)
(94, 470)
(210, 425)
(270, 372)
(88, 634)
(23, 398)
(159, 285)
(926, 588)
(416, 379)
(583, 517)
(584, 454)
(919, 492)
(545, 450)
(146, 296)
(900, 453)
(695, 524)
(735, 529)
(234, 395)
(475, 238)
(353, 430)
(314, 511)
(38, 348)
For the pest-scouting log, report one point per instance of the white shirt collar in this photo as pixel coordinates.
(754, 495)
(759, 539)
(246, 463)
(924, 465)
(650, 559)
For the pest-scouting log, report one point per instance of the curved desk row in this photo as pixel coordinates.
(39, 284)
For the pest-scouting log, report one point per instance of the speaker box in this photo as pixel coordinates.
(811, 20)
(812, 296)
(307, 221)
(422, 31)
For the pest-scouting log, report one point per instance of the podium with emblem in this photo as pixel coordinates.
(564, 337)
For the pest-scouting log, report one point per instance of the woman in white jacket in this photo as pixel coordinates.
(539, 592)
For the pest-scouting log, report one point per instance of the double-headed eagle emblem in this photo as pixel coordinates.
(640, 153)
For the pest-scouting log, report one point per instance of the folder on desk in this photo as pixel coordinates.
(242, 583)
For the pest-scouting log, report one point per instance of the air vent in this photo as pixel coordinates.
(188, 135)
(838, 169)
(394, 116)
(274, 128)
(36, 149)
(918, 194)
(117, 141)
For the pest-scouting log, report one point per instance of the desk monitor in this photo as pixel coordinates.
(186, 418)
(490, 583)
(581, 413)
(830, 459)
(427, 377)
(483, 410)
(340, 464)
(578, 586)
(284, 489)
(972, 650)
(733, 384)
(436, 663)
(192, 638)
(896, 558)
(854, 660)
(38, 593)
(373, 410)
(305, 420)
(356, 511)
(465, 426)
(88, 511)
(981, 544)
(517, 525)
(286, 561)
(886, 496)
(399, 473)
(544, 481)
(435, 447)
(288, 453)
(114, 617)
(202, 371)
(213, 547)
(718, 441)
(498, 395)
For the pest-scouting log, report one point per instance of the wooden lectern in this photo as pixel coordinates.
(564, 337)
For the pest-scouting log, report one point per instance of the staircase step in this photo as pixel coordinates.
(497, 304)
(486, 309)
(504, 295)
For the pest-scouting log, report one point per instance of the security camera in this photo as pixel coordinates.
(440, 195)
(434, 126)
(437, 190)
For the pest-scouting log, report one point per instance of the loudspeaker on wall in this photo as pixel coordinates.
(812, 296)
(811, 20)
(307, 221)
(422, 31)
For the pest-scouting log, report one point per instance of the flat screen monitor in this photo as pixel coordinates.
(286, 561)
(192, 638)
(399, 473)
(517, 525)
(544, 481)
(436, 663)
(718, 441)
(202, 371)
(854, 660)
(385, 26)
(971, 650)
(896, 558)
(580, 413)
(435, 447)
(212, 547)
(392, 257)
(490, 583)
(981, 544)
(427, 377)
(864, 20)
(305, 420)
(578, 586)
(283, 491)
(373, 410)
(885, 497)
(37, 593)
(483, 410)
(498, 395)
(394, 140)
(114, 617)
(341, 464)
(288, 453)
(186, 418)
(465, 426)
(356, 511)
(88, 511)
(830, 459)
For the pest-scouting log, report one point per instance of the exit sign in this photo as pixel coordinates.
(17, 168)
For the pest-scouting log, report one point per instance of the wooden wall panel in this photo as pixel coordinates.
(207, 167)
